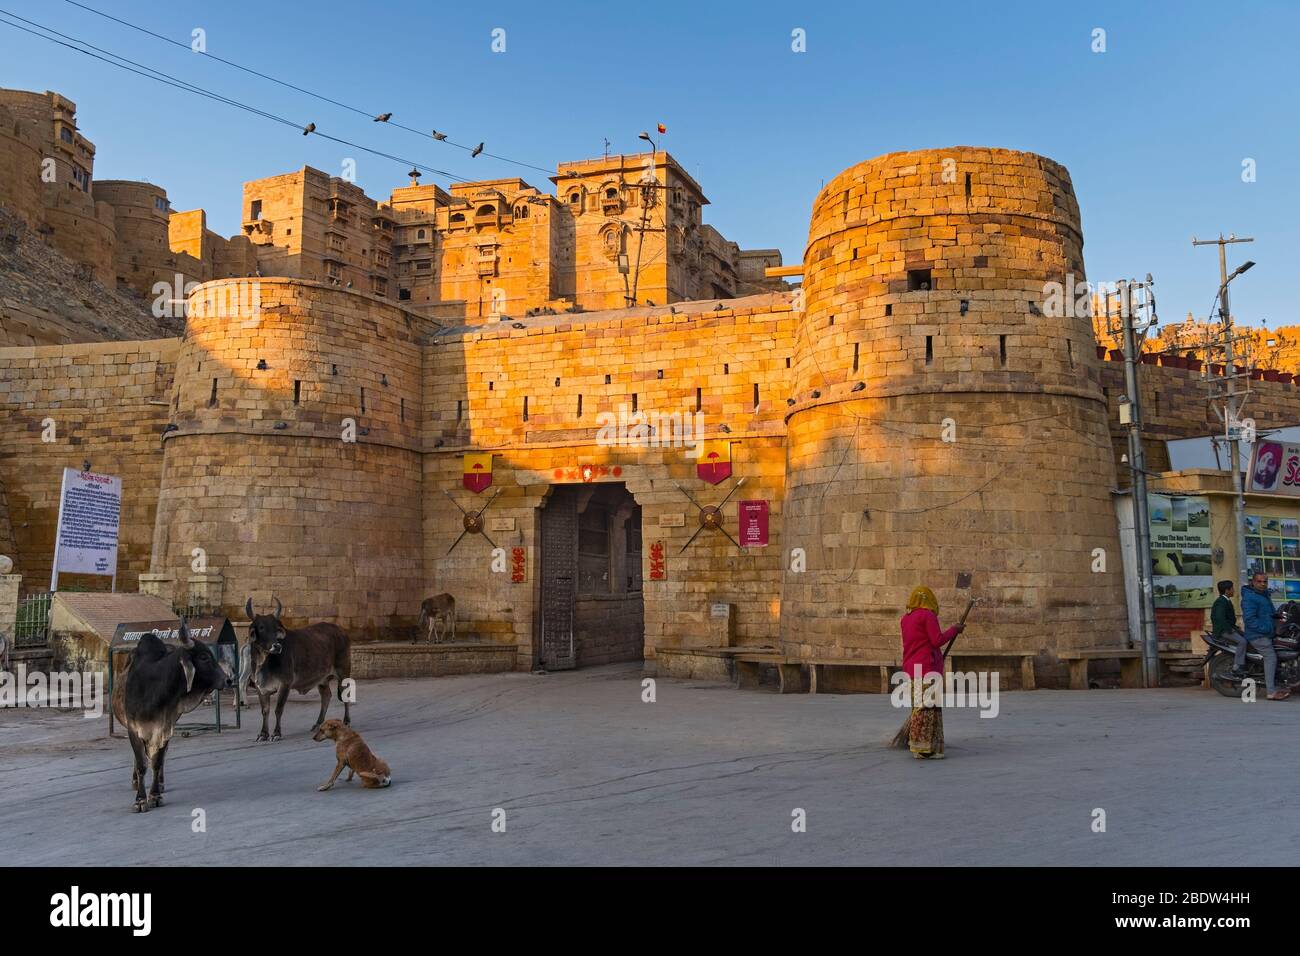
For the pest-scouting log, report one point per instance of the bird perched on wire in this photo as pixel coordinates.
(477, 149)
(383, 117)
(309, 128)
(439, 136)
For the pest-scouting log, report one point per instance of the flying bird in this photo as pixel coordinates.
(477, 149)
(439, 136)
(383, 117)
(309, 128)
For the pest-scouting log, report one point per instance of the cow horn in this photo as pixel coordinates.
(278, 607)
(187, 667)
(186, 640)
(248, 609)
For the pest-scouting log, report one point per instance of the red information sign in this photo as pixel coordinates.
(517, 573)
(753, 524)
(658, 564)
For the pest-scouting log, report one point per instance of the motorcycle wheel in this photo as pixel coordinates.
(1221, 678)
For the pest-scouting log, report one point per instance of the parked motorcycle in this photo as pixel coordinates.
(1286, 641)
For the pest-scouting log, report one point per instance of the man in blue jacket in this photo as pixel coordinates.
(1257, 615)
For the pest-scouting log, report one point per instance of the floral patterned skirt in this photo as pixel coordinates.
(925, 738)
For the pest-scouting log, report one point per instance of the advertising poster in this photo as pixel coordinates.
(1274, 468)
(1273, 546)
(1182, 575)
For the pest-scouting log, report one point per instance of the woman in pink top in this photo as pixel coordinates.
(923, 645)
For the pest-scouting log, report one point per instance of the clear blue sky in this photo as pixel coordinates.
(1154, 130)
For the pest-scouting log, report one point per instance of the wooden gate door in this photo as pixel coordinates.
(559, 581)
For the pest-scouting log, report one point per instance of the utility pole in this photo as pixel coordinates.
(648, 197)
(1232, 398)
(1132, 411)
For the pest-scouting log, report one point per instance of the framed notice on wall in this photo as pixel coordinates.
(85, 541)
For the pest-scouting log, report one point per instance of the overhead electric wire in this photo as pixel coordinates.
(320, 96)
(185, 86)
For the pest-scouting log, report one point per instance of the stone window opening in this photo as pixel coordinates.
(525, 408)
(1069, 350)
(699, 399)
(634, 401)
(402, 410)
(212, 399)
(1002, 350)
(755, 396)
(968, 185)
(579, 405)
(363, 399)
(919, 280)
(856, 346)
(297, 391)
(929, 349)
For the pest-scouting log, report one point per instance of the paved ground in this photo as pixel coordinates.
(588, 774)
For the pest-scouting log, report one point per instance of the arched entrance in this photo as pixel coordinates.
(590, 606)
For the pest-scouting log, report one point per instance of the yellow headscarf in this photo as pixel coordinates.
(923, 597)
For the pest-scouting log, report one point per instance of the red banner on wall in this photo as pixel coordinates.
(753, 524)
(658, 563)
(517, 567)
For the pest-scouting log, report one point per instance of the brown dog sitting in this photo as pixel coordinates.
(352, 753)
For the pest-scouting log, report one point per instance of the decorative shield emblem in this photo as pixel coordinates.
(715, 462)
(478, 473)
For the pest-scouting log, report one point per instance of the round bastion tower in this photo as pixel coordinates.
(294, 460)
(947, 416)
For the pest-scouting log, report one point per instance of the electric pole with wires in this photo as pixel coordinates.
(1132, 332)
(1236, 428)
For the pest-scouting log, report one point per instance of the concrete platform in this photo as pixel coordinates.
(588, 774)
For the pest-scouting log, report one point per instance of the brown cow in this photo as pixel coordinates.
(285, 660)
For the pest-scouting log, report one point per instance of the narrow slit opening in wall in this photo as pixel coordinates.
(212, 399)
(889, 309)
(363, 399)
(726, 368)
(1069, 349)
(787, 361)
(831, 321)
(459, 408)
(968, 185)
(297, 391)
(402, 410)
(525, 408)
(634, 401)
(606, 379)
(1002, 350)
(755, 395)
(579, 406)
(856, 345)
(929, 349)
(699, 399)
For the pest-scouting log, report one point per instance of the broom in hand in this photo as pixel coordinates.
(904, 732)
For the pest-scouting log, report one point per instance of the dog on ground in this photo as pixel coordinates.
(352, 752)
(436, 615)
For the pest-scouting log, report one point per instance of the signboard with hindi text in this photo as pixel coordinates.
(85, 542)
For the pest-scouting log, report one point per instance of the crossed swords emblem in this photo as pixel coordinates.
(710, 515)
(472, 521)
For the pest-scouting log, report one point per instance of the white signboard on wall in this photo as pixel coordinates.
(90, 507)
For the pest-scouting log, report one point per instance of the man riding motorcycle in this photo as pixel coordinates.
(1258, 616)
